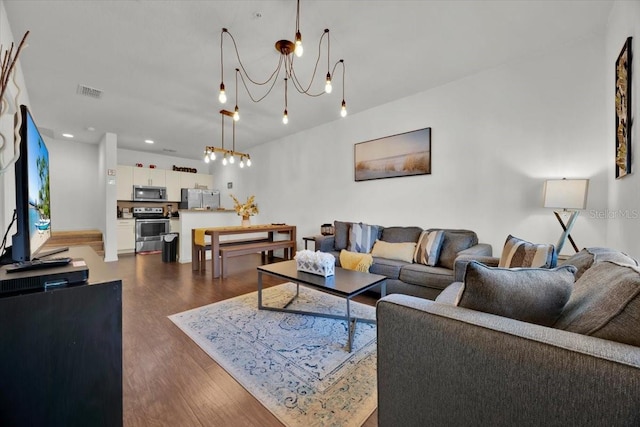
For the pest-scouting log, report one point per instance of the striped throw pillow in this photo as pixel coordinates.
(428, 247)
(362, 237)
(520, 253)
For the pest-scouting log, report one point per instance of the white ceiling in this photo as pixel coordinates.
(158, 62)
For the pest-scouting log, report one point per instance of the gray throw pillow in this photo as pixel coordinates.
(534, 295)
(605, 303)
(341, 235)
(454, 242)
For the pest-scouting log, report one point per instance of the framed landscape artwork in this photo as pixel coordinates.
(405, 154)
(623, 111)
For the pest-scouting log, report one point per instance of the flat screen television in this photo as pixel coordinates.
(33, 204)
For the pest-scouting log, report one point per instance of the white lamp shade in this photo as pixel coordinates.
(566, 193)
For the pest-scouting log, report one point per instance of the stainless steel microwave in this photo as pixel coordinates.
(143, 193)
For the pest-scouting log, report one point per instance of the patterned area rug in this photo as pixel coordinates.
(295, 365)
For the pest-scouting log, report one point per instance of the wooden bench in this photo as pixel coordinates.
(250, 248)
(201, 251)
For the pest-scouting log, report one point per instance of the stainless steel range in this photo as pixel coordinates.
(150, 226)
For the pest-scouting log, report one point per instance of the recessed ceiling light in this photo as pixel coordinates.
(148, 141)
(91, 129)
(67, 135)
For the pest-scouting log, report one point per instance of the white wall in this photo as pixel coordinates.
(496, 136)
(108, 194)
(622, 214)
(74, 186)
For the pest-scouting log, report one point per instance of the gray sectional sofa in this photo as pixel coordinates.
(407, 277)
(443, 364)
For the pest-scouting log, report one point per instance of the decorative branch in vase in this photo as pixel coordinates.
(245, 210)
(8, 61)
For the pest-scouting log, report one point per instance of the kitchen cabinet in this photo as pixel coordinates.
(173, 186)
(126, 233)
(195, 180)
(148, 176)
(124, 182)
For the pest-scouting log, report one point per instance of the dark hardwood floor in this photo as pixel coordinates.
(167, 378)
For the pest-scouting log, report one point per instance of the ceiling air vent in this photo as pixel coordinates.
(89, 91)
(168, 150)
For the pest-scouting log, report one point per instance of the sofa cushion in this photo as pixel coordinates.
(427, 276)
(584, 259)
(605, 303)
(520, 253)
(387, 267)
(534, 295)
(428, 247)
(341, 235)
(454, 242)
(398, 251)
(401, 234)
(355, 261)
(362, 237)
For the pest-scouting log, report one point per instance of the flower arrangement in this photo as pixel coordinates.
(247, 209)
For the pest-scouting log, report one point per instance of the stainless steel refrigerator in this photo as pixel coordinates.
(197, 198)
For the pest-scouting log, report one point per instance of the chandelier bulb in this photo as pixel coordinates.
(206, 157)
(285, 117)
(232, 159)
(248, 162)
(224, 160)
(222, 97)
(327, 86)
(241, 162)
(212, 156)
(343, 109)
(236, 114)
(298, 50)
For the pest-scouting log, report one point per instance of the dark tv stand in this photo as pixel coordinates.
(62, 352)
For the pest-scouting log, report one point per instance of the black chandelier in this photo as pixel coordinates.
(288, 52)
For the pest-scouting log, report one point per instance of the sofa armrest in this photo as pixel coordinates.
(324, 243)
(446, 365)
(460, 266)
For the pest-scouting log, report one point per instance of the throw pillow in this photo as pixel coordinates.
(520, 253)
(428, 247)
(341, 236)
(355, 261)
(534, 295)
(454, 242)
(362, 237)
(398, 251)
(605, 303)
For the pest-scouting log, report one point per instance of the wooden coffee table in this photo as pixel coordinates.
(345, 283)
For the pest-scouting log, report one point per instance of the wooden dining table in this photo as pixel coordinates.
(216, 232)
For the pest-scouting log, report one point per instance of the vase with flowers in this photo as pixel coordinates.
(245, 210)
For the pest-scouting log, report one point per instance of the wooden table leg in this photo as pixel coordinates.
(215, 252)
(195, 255)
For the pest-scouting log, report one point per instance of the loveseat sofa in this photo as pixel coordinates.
(441, 364)
(403, 275)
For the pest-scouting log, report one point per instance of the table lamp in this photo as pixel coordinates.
(569, 195)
